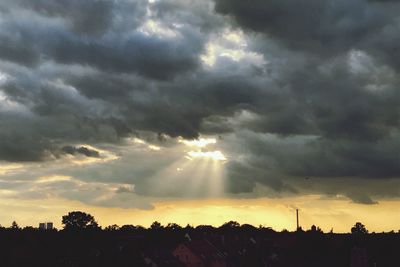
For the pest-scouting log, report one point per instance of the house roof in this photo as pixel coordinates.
(205, 250)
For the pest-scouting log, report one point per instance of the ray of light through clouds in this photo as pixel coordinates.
(200, 111)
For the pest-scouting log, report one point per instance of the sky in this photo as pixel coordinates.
(201, 112)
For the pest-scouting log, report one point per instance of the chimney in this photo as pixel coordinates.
(297, 220)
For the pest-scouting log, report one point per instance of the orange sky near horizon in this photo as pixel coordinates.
(279, 214)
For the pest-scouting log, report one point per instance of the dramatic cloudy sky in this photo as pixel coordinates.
(201, 111)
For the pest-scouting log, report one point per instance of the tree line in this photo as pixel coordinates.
(79, 221)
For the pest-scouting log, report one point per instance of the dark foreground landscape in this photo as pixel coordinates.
(82, 243)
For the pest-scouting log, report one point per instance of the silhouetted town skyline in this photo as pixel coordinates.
(82, 242)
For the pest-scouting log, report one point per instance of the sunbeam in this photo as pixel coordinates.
(196, 173)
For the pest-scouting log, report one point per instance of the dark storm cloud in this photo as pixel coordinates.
(89, 17)
(72, 150)
(18, 52)
(323, 101)
(360, 170)
(363, 199)
(16, 147)
(316, 26)
(121, 67)
(340, 81)
(85, 16)
(148, 56)
(317, 157)
(196, 13)
(120, 48)
(84, 71)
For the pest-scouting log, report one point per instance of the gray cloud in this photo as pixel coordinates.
(81, 150)
(316, 26)
(320, 102)
(88, 17)
(95, 84)
(91, 17)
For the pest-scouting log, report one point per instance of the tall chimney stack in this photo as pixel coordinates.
(297, 220)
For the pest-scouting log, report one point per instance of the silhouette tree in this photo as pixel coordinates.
(315, 229)
(248, 228)
(173, 226)
(230, 225)
(112, 227)
(128, 228)
(14, 225)
(155, 225)
(359, 228)
(78, 220)
(29, 229)
(205, 228)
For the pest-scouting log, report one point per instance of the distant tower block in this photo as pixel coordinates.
(49, 226)
(42, 226)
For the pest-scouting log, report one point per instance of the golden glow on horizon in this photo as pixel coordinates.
(202, 173)
(276, 213)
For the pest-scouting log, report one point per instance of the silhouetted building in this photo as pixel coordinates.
(199, 254)
(42, 226)
(46, 226)
(49, 226)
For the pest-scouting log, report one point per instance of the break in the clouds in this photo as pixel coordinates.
(294, 97)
